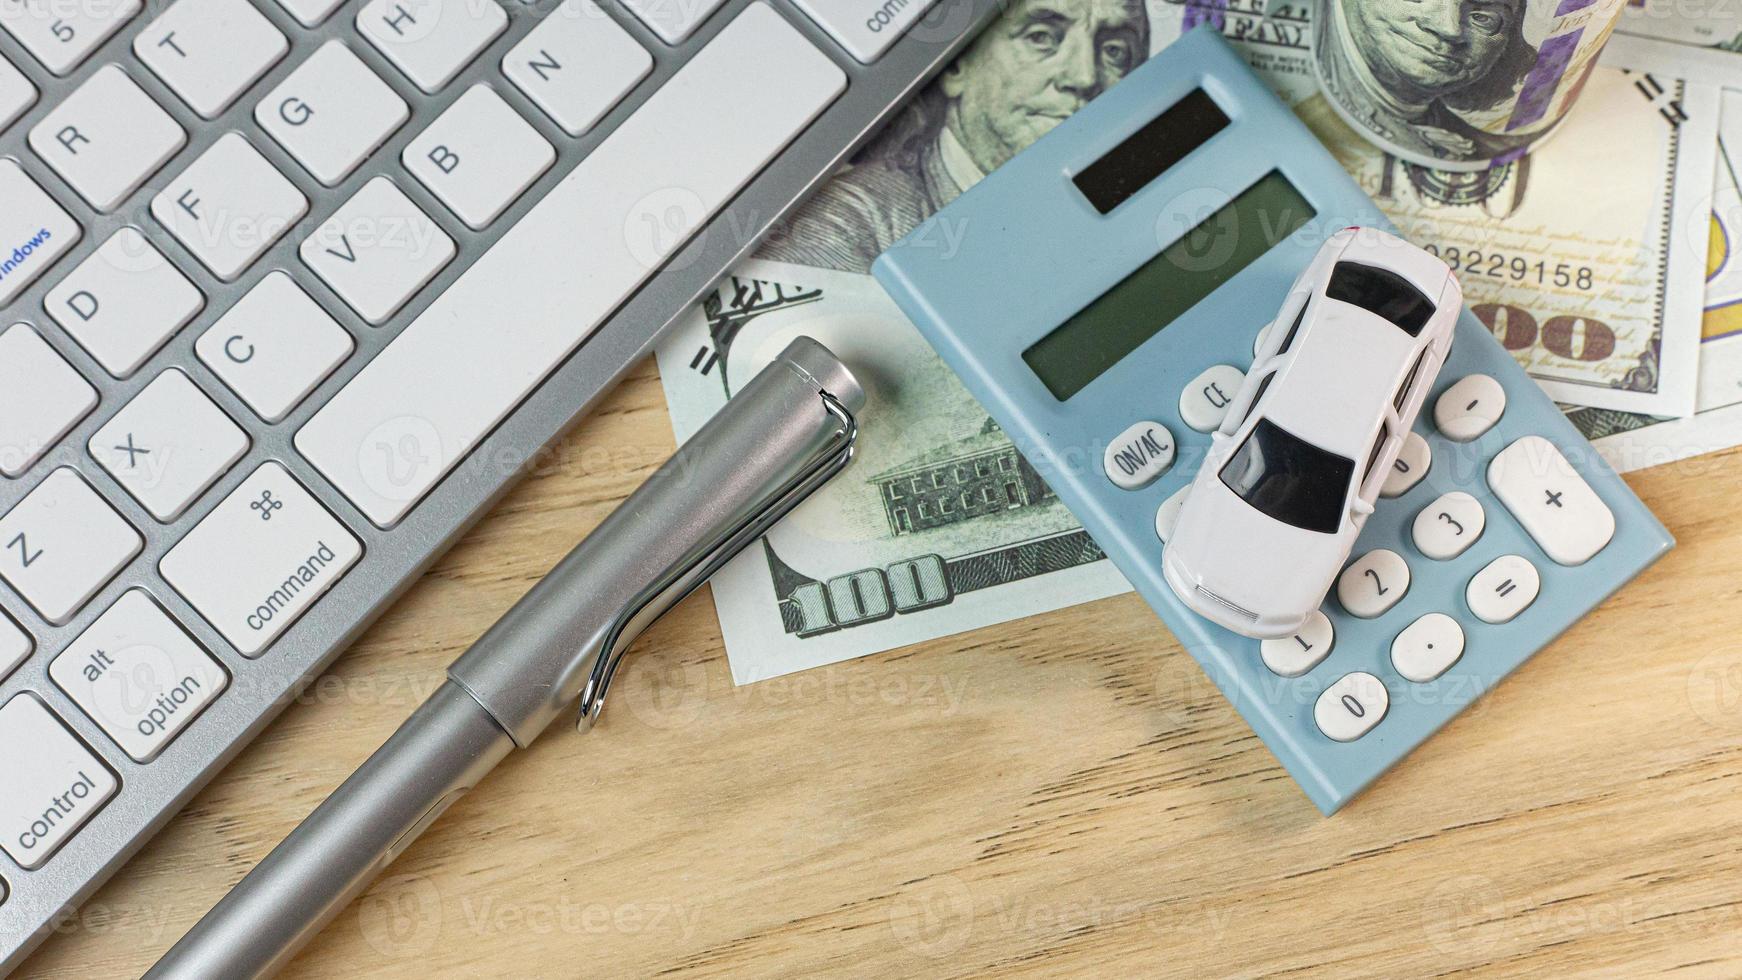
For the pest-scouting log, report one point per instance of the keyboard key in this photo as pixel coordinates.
(1561, 512)
(1469, 408)
(309, 13)
(62, 35)
(331, 113)
(63, 543)
(1503, 589)
(139, 676)
(672, 20)
(1351, 707)
(431, 40)
(1138, 456)
(1373, 583)
(866, 28)
(576, 64)
(229, 206)
(443, 383)
(34, 231)
(16, 94)
(1300, 653)
(1204, 402)
(54, 784)
(260, 559)
(15, 646)
(210, 51)
(478, 157)
(168, 445)
(1427, 647)
(106, 138)
(41, 398)
(1413, 461)
(1447, 527)
(378, 250)
(274, 346)
(124, 302)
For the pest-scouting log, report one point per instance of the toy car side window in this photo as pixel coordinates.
(1288, 339)
(1403, 390)
(1257, 396)
(1383, 292)
(1373, 457)
(1290, 479)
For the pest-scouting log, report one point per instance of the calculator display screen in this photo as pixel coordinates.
(1167, 286)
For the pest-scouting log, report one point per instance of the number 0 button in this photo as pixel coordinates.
(1373, 583)
(1351, 707)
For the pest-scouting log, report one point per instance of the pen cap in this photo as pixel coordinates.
(776, 440)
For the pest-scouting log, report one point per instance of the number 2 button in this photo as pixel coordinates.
(1373, 583)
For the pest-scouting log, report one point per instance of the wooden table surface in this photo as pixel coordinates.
(1060, 794)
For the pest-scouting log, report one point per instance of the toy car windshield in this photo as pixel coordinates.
(1289, 478)
(1383, 292)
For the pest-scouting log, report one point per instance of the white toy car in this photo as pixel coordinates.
(1292, 473)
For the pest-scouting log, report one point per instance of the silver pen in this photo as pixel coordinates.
(785, 434)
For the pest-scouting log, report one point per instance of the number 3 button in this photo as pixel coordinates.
(1449, 525)
(1373, 583)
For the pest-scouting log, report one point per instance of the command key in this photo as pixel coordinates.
(260, 559)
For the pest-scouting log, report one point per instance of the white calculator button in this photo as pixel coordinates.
(1204, 402)
(576, 64)
(274, 346)
(168, 445)
(16, 94)
(229, 206)
(1447, 527)
(1297, 654)
(41, 397)
(260, 559)
(35, 229)
(478, 156)
(138, 675)
(1373, 583)
(331, 113)
(1503, 589)
(62, 35)
(1168, 513)
(54, 784)
(124, 302)
(106, 138)
(378, 250)
(1427, 647)
(63, 543)
(210, 51)
(431, 40)
(1413, 461)
(1469, 408)
(1138, 455)
(1554, 503)
(1351, 707)
(15, 646)
(1263, 335)
(672, 20)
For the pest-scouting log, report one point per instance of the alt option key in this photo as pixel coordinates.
(262, 557)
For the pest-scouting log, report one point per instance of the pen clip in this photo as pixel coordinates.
(829, 459)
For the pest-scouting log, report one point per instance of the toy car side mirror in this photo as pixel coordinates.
(1361, 507)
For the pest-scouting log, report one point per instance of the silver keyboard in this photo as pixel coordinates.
(292, 293)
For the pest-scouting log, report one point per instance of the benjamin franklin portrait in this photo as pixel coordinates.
(1438, 78)
(1041, 61)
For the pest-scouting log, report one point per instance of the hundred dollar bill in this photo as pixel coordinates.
(1632, 441)
(1585, 257)
(939, 526)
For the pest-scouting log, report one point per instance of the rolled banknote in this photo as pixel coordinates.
(1458, 84)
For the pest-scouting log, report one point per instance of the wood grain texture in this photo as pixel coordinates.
(1061, 794)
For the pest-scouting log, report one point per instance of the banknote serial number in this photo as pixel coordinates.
(1516, 268)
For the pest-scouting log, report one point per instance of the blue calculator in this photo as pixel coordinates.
(1191, 178)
